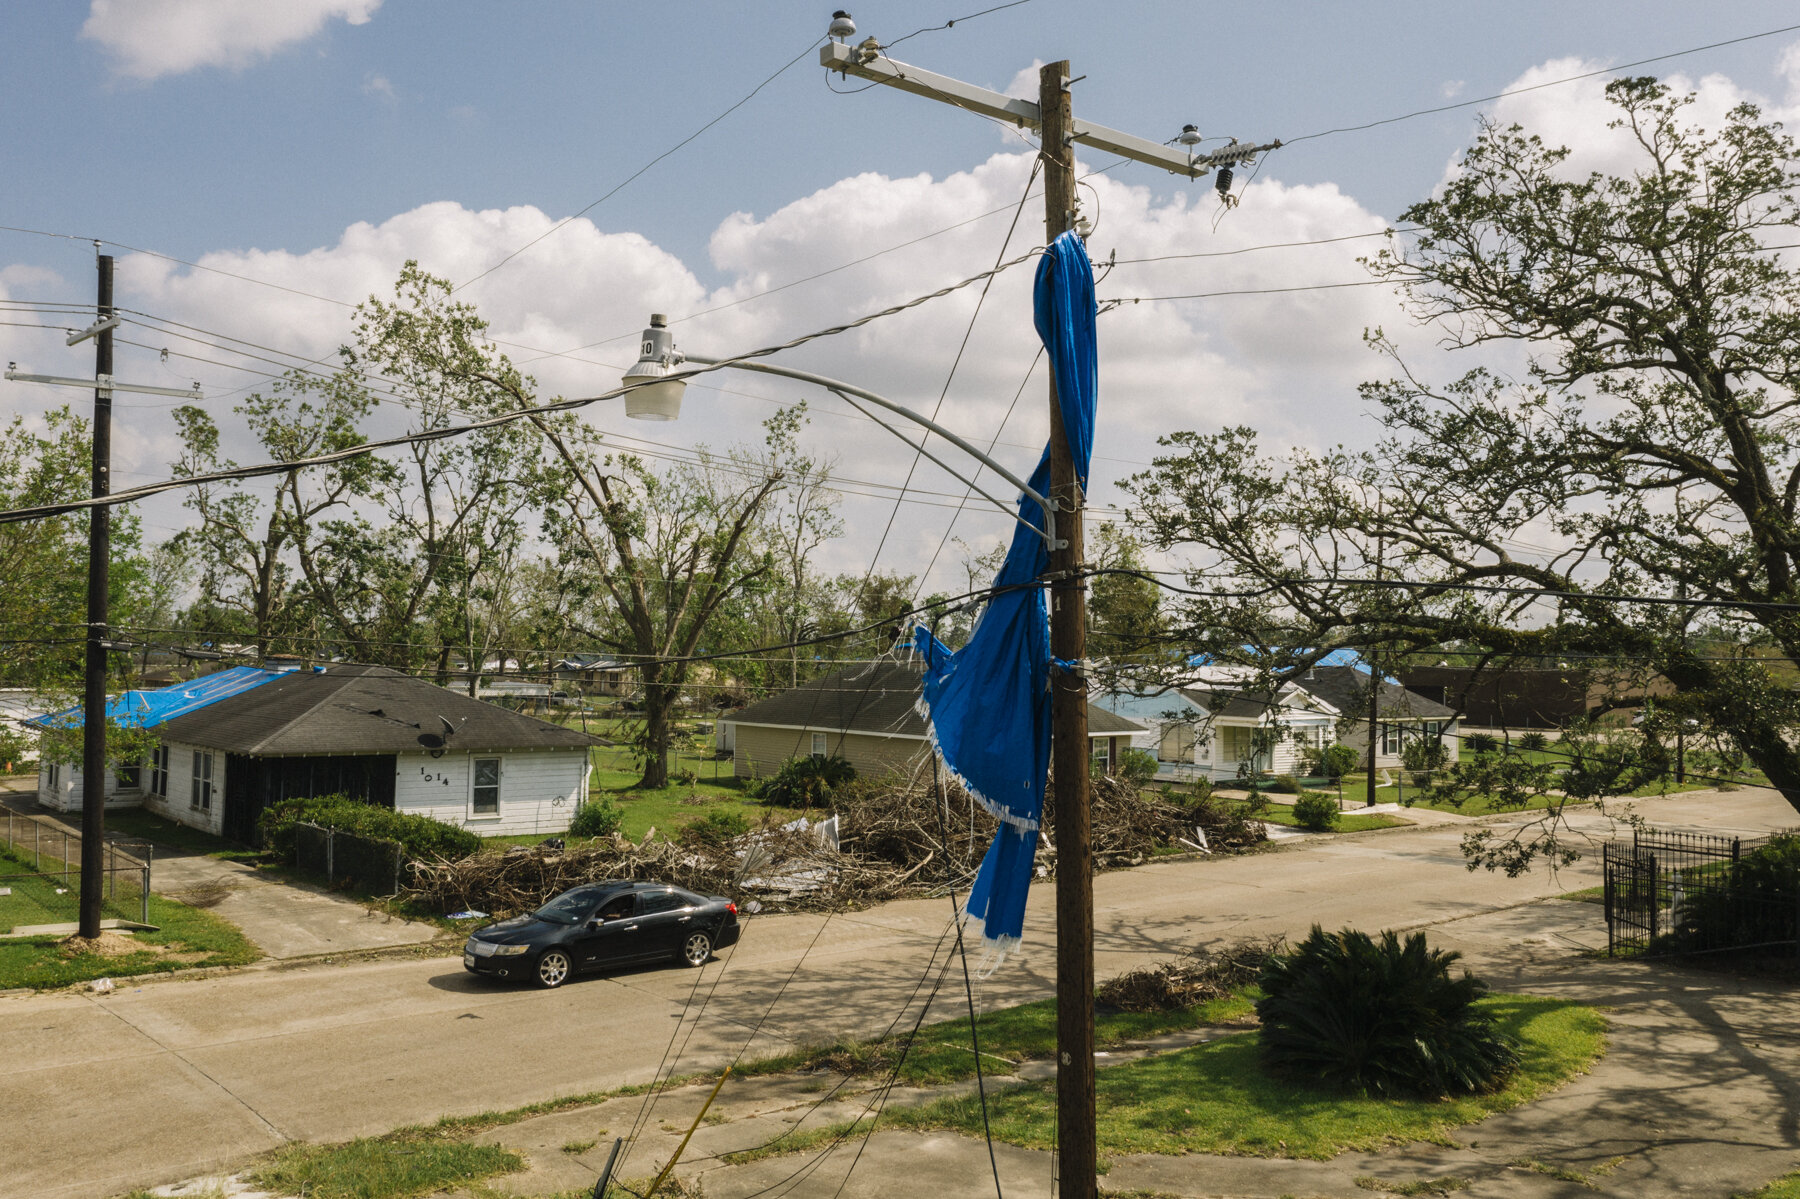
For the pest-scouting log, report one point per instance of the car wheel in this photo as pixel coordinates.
(697, 949)
(553, 969)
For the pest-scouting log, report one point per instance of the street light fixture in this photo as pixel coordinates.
(657, 380)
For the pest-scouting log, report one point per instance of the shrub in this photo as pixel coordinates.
(1481, 743)
(803, 782)
(715, 828)
(1285, 784)
(1335, 761)
(1755, 906)
(1379, 1017)
(1136, 766)
(1535, 743)
(597, 818)
(418, 836)
(1317, 811)
(1423, 759)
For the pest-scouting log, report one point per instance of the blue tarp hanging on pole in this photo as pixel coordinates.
(987, 705)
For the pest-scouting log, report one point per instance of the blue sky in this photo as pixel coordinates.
(316, 143)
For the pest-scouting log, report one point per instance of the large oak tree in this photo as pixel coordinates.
(1647, 448)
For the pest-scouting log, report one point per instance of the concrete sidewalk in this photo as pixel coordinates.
(243, 1062)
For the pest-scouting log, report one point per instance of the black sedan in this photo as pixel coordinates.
(601, 925)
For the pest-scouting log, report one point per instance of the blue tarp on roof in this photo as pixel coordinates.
(147, 709)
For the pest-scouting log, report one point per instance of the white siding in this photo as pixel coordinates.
(66, 796)
(179, 806)
(539, 791)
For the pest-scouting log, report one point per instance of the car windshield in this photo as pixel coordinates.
(571, 907)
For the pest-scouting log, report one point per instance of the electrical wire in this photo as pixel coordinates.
(506, 418)
(641, 170)
(968, 331)
(1423, 112)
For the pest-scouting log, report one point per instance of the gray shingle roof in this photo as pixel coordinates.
(1347, 689)
(351, 709)
(877, 698)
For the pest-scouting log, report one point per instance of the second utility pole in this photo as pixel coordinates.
(1076, 1157)
(93, 732)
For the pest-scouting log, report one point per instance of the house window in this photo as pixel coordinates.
(159, 771)
(485, 800)
(201, 797)
(54, 774)
(819, 749)
(129, 777)
(1392, 735)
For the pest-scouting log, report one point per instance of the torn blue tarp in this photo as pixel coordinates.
(987, 706)
(147, 709)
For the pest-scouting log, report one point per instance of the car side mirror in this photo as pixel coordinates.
(596, 921)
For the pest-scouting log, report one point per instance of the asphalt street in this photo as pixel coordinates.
(170, 1079)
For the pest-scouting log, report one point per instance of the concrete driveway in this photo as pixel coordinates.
(193, 1075)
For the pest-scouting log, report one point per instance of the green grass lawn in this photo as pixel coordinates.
(185, 937)
(1350, 822)
(942, 1051)
(1785, 1187)
(1215, 1098)
(382, 1168)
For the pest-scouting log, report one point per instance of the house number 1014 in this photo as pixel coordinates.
(434, 776)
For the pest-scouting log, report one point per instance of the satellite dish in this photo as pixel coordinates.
(431, 741)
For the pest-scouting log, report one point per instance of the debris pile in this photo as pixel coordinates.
(886, 841)
(1196, 978)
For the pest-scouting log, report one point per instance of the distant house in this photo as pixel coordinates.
(866, 716)
(1229, 726)
(595, 674)
(1219, 730)
(1401, 715)
(234, 743)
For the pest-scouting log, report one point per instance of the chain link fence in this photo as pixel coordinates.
(370, 864)
(40, 874)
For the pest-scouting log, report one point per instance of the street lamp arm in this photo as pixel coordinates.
(1047, 531)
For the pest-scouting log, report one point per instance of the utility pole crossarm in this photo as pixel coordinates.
(107, 384)
(867, 64)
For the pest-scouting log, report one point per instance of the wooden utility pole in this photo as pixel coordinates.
(93, 732)
(1374, 694)
(94, 765)
(1076, 1158)
(1051, 116)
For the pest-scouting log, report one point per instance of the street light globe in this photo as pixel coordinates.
(657, 359)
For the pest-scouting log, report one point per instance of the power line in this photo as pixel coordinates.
(641, 170)
(506, 418)
(1750, 37)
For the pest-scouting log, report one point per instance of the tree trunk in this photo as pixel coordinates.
(659, 698)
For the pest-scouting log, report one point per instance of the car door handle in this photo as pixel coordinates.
(684, 920)
(630, 928)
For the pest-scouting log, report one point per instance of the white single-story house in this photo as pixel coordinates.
(866, 716)
(1226, 727)
(378, 735)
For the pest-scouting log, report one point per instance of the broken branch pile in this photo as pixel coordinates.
(894, 840)
(1196, 978)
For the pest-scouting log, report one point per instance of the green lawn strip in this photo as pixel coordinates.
(382, 1168)
(199, 937)
(941, 1052)
(1215, 1098)
(1585, 895)
(1350, 821)
(1785, 1187)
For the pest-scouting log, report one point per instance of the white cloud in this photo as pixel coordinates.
(152, 38)
(1287, 363)
(1451, 88)
(379, 85)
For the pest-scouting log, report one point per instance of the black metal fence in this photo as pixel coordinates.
(369, 864)
(1676, 894)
